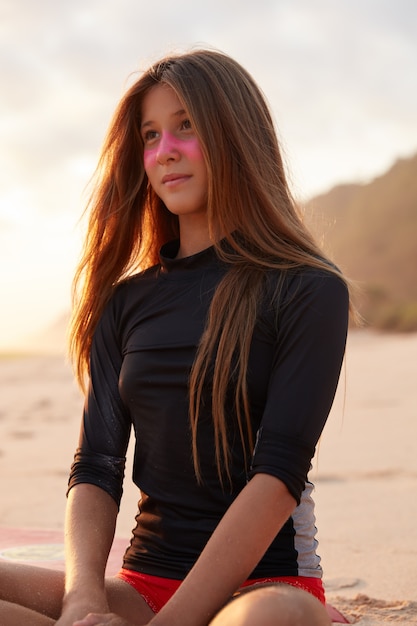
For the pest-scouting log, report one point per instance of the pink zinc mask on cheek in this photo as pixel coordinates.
(168, 144)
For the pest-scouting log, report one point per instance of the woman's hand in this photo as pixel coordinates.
(102, 619)
(76, 611)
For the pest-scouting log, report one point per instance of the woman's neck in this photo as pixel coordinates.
(194, 237)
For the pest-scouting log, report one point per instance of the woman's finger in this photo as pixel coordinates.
(99, 619)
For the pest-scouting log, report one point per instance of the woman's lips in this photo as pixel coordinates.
(171, 180)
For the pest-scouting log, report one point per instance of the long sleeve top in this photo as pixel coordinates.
(142, 354)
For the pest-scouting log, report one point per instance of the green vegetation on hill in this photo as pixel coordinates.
(370, 231)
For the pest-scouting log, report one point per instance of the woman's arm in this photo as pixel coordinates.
(234, 549)
(96, 478)
(236, 546)
(89, 531)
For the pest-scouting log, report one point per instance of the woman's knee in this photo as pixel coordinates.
(273, 605)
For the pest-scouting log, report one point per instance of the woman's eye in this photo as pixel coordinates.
(149, 136)
(186, 125)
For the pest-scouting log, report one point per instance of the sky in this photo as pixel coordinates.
(339, 75)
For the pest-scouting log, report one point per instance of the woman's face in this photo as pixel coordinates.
(173, 159)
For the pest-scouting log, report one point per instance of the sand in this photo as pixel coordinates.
(365, 470)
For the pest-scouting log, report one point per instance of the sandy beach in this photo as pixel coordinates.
(365, 470)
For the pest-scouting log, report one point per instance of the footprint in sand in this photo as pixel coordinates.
(334, 584)
(363, 607)
(22, 434)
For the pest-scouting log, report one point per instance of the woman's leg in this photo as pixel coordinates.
(33, 595)
(35, 588)
(15, 615)
(273, 605)
(125, 601)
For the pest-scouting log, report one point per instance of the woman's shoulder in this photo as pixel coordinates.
(305, 277)
(141, 276)
(138, 279)
(131, 289)
(125, 299)
(302, 299)
(310, 286)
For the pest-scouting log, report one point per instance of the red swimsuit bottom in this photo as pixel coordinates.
(156, 591)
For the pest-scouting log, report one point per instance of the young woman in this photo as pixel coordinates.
(208, 319)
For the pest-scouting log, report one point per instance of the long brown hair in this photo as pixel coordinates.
(249, 203)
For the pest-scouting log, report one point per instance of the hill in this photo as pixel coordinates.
(370, 231)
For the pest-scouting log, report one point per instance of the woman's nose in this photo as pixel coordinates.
(168, 149)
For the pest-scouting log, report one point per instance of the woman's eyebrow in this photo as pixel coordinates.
(178, 113)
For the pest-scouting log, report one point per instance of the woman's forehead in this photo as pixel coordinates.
(159, 101)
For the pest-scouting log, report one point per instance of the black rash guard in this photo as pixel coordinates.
(141, 358)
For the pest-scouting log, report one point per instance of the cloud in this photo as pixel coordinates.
(323, 65)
